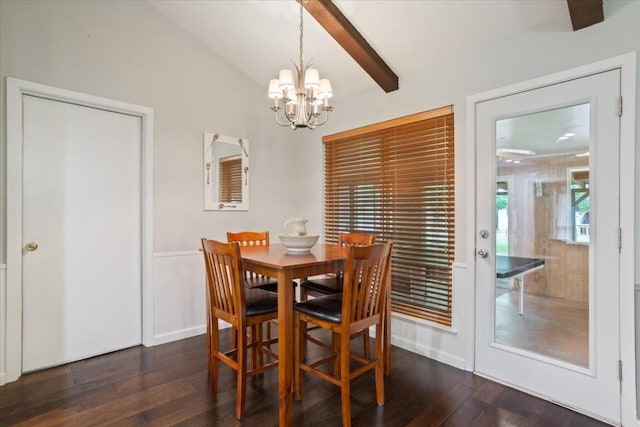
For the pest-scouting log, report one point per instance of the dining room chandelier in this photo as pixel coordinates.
(305, 100)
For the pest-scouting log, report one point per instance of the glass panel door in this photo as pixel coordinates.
(547, 215)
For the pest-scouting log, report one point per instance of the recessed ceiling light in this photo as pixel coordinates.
(562, 138)
(569, 134)
(515, 151)
(516, 161)
(508, 161)
(582, 154)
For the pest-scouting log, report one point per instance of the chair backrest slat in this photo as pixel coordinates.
(249, 238)
(356, 239)
(225, 287)
(365, 281)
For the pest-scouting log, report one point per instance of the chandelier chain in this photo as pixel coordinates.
(301, 30)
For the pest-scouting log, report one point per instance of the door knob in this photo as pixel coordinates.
(482, 253)
(31, 246)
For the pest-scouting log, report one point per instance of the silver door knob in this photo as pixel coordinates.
(482, 253)
(31, 246)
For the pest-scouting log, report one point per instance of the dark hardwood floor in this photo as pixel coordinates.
(167, 385)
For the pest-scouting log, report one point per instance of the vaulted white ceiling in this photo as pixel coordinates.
(261, 37)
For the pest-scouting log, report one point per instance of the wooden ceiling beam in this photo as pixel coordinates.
(347, 36)
(585, 13)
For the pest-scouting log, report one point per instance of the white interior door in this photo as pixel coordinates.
(555, 333)
(82, 208)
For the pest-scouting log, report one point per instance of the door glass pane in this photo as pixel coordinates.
(542, 233)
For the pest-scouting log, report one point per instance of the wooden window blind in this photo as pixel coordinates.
(231, 179)
(396, 180)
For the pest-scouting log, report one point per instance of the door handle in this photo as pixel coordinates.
(31, 246)
(482, 253)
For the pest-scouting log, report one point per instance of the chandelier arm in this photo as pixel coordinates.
(287, 123)
(324, 115)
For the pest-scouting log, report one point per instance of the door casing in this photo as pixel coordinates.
(11, 360)
(627, 63)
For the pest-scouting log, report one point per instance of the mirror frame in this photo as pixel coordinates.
(210, 167)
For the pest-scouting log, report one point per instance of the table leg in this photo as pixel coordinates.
(285, 347)
(521, 280)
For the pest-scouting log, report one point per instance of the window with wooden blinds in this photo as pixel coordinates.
(231, 179)
(396, 180)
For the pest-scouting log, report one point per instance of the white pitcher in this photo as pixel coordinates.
(296, 226)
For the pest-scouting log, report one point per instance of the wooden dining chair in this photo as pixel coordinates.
(230, 300)
(361, 305)
(254, 238)
(332, 284)
(253, 279)
(327, 285)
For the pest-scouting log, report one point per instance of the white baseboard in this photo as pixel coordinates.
(3, 337)
(178, 335)
(430, 352)
(186, 333)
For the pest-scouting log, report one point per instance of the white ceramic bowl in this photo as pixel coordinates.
(299, 243)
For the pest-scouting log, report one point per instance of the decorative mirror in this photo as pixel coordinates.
(226, 173)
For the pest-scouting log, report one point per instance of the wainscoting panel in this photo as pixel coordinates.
(180, 310)
(437, 342)
(179, 295)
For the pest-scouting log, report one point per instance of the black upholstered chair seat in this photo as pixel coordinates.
(261, 282)
(324, 285)
(260, 302)
(327, 308)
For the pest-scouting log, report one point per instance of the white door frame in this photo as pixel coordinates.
(16, 89)
(627, 63)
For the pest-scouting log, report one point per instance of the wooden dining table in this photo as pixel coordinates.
(276, 261)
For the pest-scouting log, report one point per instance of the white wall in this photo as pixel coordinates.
(541, 52)
(538, 53)
(128, 51)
